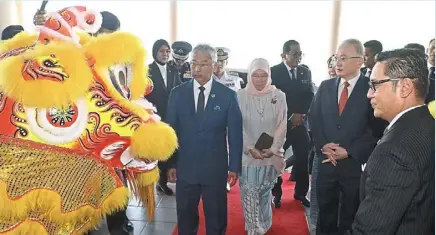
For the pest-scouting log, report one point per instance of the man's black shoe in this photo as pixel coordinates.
(165, 189)
(277, 202)
(129, 226)
(303, 200)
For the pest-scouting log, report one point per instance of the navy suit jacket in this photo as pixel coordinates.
(202, 157)
(353, 130)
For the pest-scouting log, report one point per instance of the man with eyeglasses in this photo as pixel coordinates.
(372, 48)
(296, 82)
(181, 50)
(341, 119)
(398, 180)
(204, 113)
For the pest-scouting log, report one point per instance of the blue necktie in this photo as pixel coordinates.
(200, 102)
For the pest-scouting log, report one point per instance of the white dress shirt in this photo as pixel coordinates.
(352, 83)
(163, 72)
(401, 114)
(289, 71)
(393, 122)
(207, 88)
(368, 70)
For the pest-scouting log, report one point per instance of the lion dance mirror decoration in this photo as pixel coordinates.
(73, 116)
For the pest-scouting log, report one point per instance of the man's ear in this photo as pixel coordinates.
(406, 88)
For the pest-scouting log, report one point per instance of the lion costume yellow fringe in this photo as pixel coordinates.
(73, 116)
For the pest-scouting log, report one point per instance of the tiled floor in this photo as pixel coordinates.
(164, 221)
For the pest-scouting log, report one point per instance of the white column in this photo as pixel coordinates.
(8, 13)
(336, 19)
(173, 21)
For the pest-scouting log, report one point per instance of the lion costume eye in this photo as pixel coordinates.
(121, 78)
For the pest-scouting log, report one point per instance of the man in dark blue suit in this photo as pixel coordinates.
(342, 123)
(204, 112)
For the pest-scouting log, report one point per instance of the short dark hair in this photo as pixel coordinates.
(432, 40)
(10, 31)
(110, 21)
(416, 46)
(329, 60)
(288, 44)
(375, 46)
(407, 63)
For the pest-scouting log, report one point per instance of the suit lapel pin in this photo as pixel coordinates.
(212, 95)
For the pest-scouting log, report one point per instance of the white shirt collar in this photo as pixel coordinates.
(162, 66)
(224, 76)
(289, 68)
(352, 82)
(401, 114)
(207, 86)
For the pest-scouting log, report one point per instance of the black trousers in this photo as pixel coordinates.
(163, 178)
(214, 198)
(117, 222)
(337, 186)
(299, 139)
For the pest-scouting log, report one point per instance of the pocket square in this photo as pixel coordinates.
(217, 108)
(363, 167)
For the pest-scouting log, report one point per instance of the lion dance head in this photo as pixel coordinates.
(73, 116)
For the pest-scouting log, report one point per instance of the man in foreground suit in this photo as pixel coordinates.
(296, 82)
(165, 77)
(203, 112)
(399, 183)
(340, 120)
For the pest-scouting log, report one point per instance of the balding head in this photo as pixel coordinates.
(354, 43)
(349, 59)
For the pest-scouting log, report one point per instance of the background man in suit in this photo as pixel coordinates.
(203, 112)
(430, 59)
(340, 119)
(165, 77)
(372, 48)
(399, 181)
(296, 82)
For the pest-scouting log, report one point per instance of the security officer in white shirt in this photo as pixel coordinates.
(231, 81)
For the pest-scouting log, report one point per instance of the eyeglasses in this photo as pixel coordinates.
(200, 66)
(342, 59)
(374, 83)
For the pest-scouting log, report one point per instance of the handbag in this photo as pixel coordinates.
(265, 141)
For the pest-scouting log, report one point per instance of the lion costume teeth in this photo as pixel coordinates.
(73, 112)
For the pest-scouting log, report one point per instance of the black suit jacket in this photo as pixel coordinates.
(352, 130)
(431, 90)
(159, 95)
(399, 184)
(299, 92)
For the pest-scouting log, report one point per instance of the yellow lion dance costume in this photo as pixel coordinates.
(73, 114)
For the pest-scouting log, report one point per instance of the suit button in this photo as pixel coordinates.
(339, 127)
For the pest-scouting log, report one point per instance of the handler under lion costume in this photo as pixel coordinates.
(72, 112)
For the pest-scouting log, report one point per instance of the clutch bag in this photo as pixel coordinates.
(265, 141)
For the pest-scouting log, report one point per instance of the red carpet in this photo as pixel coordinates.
(289, 219)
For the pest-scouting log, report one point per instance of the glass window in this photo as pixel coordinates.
(252, 29)
(149, 20)
(394, 24)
